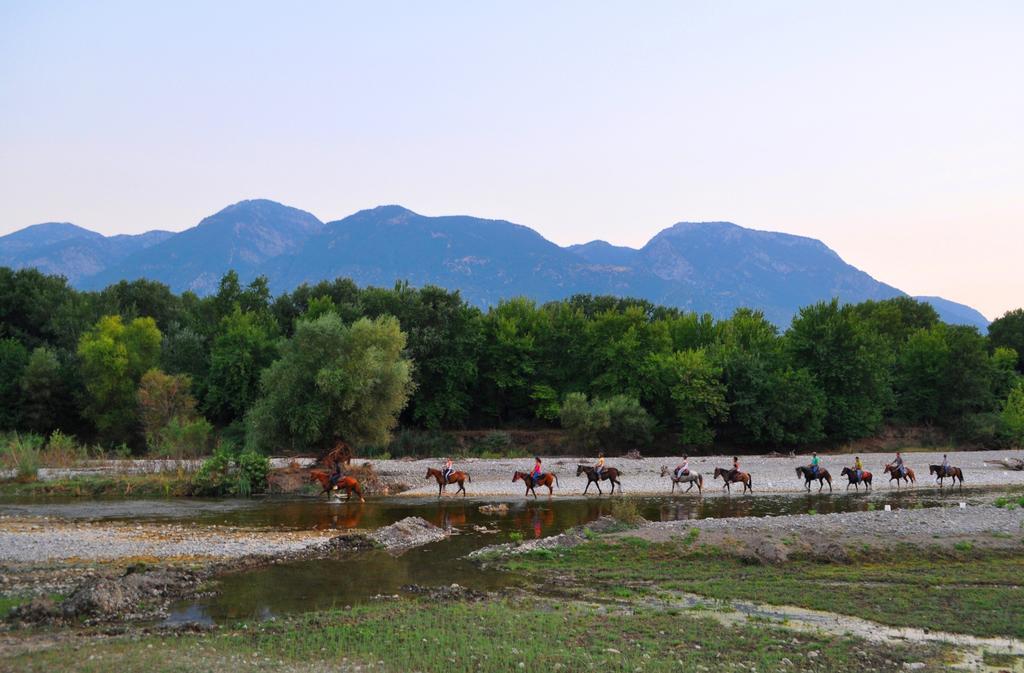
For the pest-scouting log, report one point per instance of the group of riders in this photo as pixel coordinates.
(682, 469)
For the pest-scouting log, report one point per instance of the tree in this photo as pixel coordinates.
(686, 387)
(1012, 417)
(920, 376)
(616, 423)
(46, 402)
(333, 382)
(163, 397)
(1008, 331)
(850, 362)
(13, 360)
(114, 357)
(244, 347)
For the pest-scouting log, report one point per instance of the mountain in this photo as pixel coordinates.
(242, 237)
(69, 250)
(711, 267)
(488, 260)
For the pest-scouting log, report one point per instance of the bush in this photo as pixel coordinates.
(182, 438)
(626, 511)
(63, 451)
(227, 472)
(22, 453)
(616, 423)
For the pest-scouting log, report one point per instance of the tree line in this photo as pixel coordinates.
(139, 367)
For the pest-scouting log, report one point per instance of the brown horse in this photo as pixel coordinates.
(851, 474)
(894, 473)
(729, 478)
(809, 476)
(691, 479)
(545, 479)
(608, 473)
(953, 473)
(456, 477)
(347, 484)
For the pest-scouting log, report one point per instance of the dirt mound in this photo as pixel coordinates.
(410, 532)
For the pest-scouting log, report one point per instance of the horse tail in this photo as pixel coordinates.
(556, 480)
(700, 480)
(469, 478)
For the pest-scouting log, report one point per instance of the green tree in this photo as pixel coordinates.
(333, 382)
(46, 399)
(616, 423)
(163, 398)
(114, 357)
(850, 362)
(1012, 417)
(13, 360)
(1008, 331)
(686, 387)
(244, 347)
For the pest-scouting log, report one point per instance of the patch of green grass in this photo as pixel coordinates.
(139, 485)
(962, 591)
(493, 636)
(691, 536)
(998, 660)
(964, 545)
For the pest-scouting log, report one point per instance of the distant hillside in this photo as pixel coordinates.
(702, 266)
(240, 237)
(69, 250)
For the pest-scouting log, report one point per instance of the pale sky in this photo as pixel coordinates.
(892, 131)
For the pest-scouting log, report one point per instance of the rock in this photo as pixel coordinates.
(500, 508)
(913, 665)
(410, 532)
(767, 553)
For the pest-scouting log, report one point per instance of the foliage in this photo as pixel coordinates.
(228, 472)
(1008, 331)
(46, 400)
(686, 387)
(114, 357)
(245, 345)
(22, 453)
(182, 437)
(615, 423)
(333, 382)
(13, 360)
(163, 398)
(1012, 417)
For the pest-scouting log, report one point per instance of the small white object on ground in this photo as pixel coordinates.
(888, 508)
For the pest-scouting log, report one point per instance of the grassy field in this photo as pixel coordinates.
(495, 635)
(166, 484)
(961, 591)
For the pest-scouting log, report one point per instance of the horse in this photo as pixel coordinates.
(851, 474)
(742, 477)
(608, 473)
(545, 479)
(691, 479)
(347, 484)
(809, 476)
(456, 477)
(953, 473)
(894, 473)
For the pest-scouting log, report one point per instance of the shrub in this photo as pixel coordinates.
(626, 511)
(228, 472)
(182, 438)
(22, 454)
(63, 451)
(617, 422)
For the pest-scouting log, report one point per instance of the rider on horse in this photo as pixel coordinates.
(336, 474)
(735, 468)
(945, 466)
(683, 468)
(536, 472)
(858, 468)
(897, 465)
(447, 470)
(815, 463)
(599, 465)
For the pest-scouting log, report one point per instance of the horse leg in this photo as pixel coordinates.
(587, 488)
(598, 484)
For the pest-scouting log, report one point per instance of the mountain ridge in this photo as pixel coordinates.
(712, 266)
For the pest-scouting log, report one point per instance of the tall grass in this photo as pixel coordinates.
(22, 453)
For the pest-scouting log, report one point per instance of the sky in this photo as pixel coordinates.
(892, 131)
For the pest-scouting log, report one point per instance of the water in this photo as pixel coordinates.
(312, 585)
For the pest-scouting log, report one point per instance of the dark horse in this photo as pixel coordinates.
(808, 475)
(729, 478)
(456, 477)
(953, 473)
(894, 473)
(347, 484)
(545, 479)
(691, 479)
(851, 474)
(607, 474)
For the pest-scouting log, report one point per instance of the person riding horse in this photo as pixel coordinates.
(599, 465)
(945, 466)
(336, 474)
(447, 470)
(815, 463)
(735, 468)
(858, 468)
(683, 468)
(536, 473)
(898, 466)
